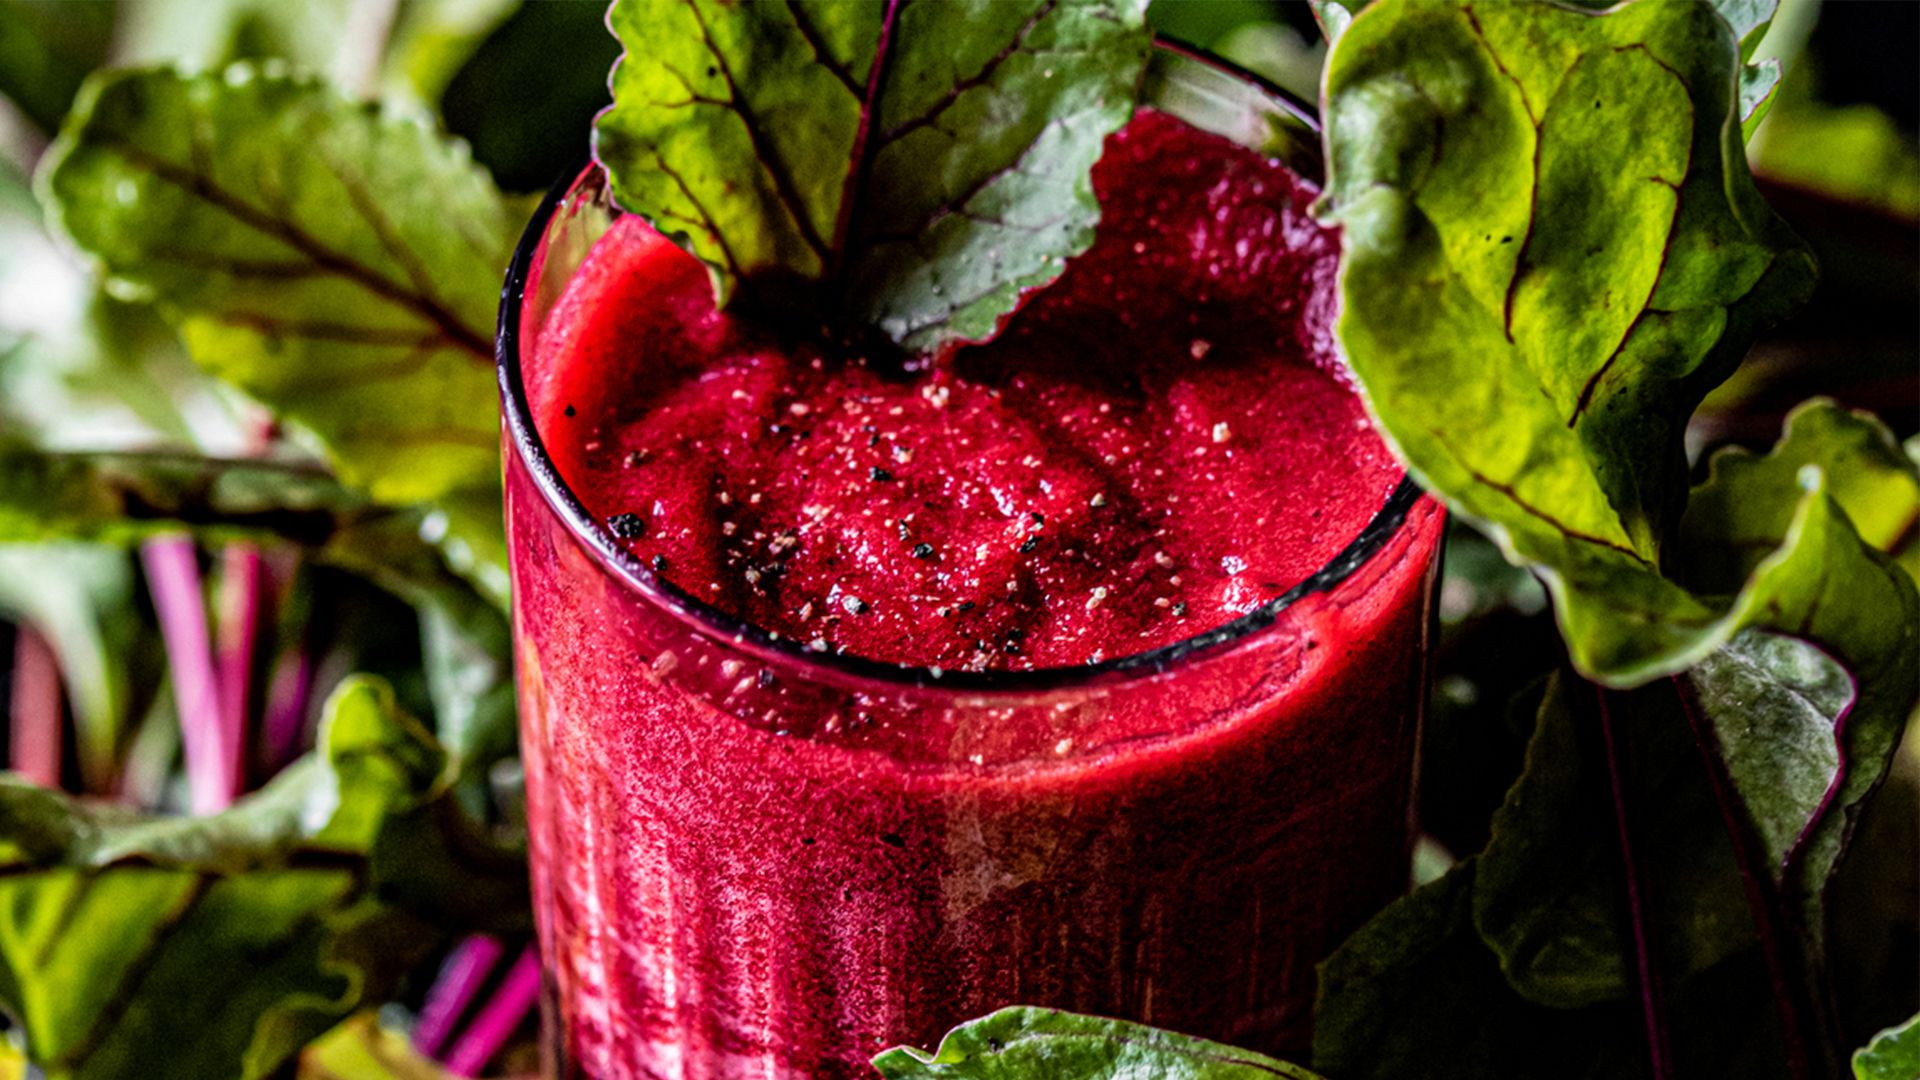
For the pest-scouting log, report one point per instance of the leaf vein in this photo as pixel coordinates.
(203, 187)
(811, 34)
(979, 78)
(783, 182)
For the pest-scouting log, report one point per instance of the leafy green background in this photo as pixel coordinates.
(135, 389)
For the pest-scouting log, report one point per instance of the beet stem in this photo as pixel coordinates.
(498, 1018)
(460, 978)
(35, 728)
(213, 758)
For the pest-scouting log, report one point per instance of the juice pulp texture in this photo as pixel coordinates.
(1154, 447)
(744, 869)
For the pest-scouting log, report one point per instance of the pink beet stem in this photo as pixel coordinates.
(35, 710)
(242, 597)
(466, 968)
(213, 761)
(287, 695)
(500, 1016)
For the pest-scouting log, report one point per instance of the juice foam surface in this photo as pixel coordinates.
(1156, 445)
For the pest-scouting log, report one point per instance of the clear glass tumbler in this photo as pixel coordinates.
(751, 860)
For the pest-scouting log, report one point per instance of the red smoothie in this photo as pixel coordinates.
(776, 852)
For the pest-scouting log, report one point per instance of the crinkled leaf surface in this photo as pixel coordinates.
(254, 930)
(1548, 893)
(337, 264)
(1027, 1042)
(1547, 212)
(1415, 994)
(1777, 702)
(1748, 19)
(1546, 901)
(1808, 737)
(1894, 1054)
(919, 165)
(1518, 962)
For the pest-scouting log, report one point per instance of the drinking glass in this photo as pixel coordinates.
(754, 860)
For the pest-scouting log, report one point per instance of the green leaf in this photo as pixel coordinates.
(424, 556)
(1519, 962)
(432, 39)
(255, 929)
(927, 162)
(1775, 703)
(1548, 894)
(467, 652)
(361, 1049)
(123, 498)
(1822, 580)
(1872, 479)
(1577, 261)
(1334, 16)
(120, 498)
(1853, 152)
(46, 49)
(1758, 83)
(1748, 19)
(407, 50)
(1894, 1054)
(337, 264)
(116, 498)
(1028, 1042)
(81, 369)
(1416, 995)
(1547, 898)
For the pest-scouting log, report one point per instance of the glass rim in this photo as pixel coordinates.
(703, 618)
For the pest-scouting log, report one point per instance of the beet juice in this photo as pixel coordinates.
(864, 695)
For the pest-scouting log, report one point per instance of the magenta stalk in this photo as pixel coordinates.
(213, 758)
(460, 978)
(242, 596)
(1653, 1007)
(286, 711)
(34, 710)
(500, 1016)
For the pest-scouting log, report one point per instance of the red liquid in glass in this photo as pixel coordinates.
(747, 866)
